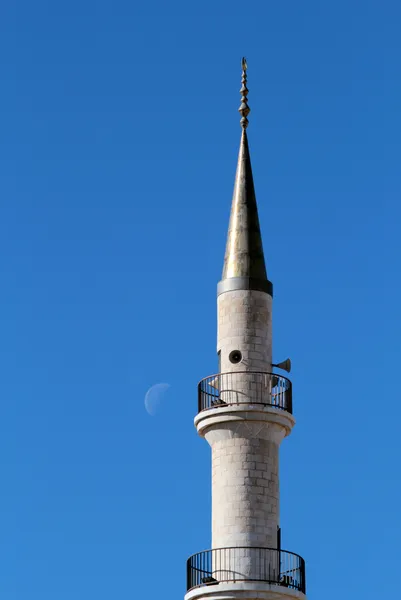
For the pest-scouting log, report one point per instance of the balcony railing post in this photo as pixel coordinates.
(200, 397)
(303, 576)
(289, 392)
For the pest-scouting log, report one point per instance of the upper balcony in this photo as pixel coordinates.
(226, 566)
(245, 388)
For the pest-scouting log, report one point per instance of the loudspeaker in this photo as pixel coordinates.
(285, 365)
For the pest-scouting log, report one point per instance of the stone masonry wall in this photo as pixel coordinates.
(245, 324)
(245, 487)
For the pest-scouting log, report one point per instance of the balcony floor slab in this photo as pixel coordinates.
(244, 591)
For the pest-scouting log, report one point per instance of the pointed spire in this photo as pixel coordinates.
(244, 263)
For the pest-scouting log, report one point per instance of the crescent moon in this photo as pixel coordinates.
(154, 397)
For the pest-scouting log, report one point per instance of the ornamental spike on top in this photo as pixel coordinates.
(244, 109)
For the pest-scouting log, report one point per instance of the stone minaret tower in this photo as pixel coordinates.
(244, 413)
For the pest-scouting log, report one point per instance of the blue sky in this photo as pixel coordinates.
(119, 137)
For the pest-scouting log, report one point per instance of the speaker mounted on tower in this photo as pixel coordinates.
(285, 365)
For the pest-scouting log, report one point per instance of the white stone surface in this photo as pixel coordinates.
(244, 591)
(265, 421)
(244, 323)
(245, 487)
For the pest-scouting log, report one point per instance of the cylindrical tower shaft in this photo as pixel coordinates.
(245, 493)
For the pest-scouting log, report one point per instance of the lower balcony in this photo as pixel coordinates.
(245, 387)
(235, 565)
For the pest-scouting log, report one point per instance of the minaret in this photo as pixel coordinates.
(244, 412)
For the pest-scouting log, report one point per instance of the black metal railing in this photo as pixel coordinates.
(223, 565)
(245, 387)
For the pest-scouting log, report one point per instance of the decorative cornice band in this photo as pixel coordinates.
(245, 283)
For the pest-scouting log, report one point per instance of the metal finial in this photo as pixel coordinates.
(244, 109)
